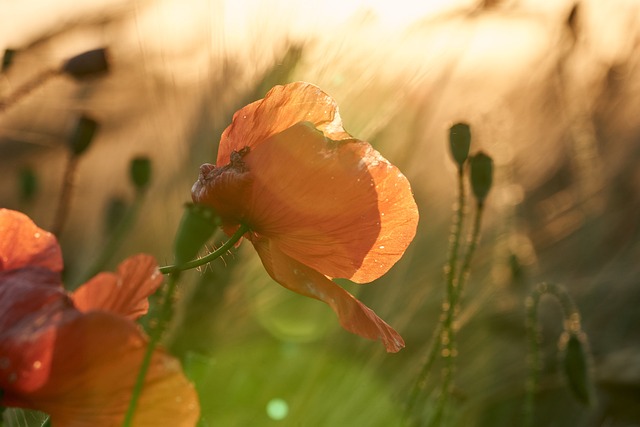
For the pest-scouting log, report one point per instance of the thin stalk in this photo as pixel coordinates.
(436, 341)
(27, 88)
(572, 323)
(449, 344)
(169, 269)
(64, 201)
(156, 334)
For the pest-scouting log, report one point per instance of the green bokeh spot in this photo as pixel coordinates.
(277, 409)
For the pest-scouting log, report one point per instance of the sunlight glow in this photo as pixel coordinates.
(277, 409)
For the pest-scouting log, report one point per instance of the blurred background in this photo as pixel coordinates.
(551, 90)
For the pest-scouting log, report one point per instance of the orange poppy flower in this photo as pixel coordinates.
(319, 203)
(76, 357)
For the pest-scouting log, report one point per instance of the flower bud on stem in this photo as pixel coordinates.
(573, 340)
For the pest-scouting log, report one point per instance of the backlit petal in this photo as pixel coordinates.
(281, 108)
(91, 361)
(124, 292)
(337, 207)
(25, 244)
(354, 316)
(25, 293)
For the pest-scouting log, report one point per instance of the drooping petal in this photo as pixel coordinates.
(125, 292)
(337, 207)
(354, 316)
(91, 361)
(281, 108)
(23, 243)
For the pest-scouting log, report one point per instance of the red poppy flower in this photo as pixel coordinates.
(76, 357)
(320, 204)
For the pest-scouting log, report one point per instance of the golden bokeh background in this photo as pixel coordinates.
(551, 90)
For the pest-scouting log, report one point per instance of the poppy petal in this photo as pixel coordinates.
(125, 292)
(398, 216)
(281, 108)
(25, 244)
(354, 316)
(91, 361)
(335, 206)
(25, 293)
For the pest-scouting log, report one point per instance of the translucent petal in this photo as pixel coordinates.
(354, 316)
(125, 292)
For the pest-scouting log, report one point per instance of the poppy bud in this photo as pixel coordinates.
(87, 64)
(114, 215)
(459, 142)
(481, 175)
(83, 134)
(576, 367)
(28, 184)
(140, 172)
(7, 58)
(198, 224)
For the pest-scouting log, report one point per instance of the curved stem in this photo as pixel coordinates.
(174, 272)
(169, 269)
(572, 323)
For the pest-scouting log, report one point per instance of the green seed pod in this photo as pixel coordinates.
(576, 367)
(83, 135)
(87, 64)
(196, 227)
(459, 142)
(28, 184)
(481, 175)
(7, 59)
(115, 212)
(140, 172)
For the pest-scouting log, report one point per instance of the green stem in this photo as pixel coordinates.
(156, 334)
(572, 323)
(174, 272)
(65, 195)
(436, 343)
(449, 340)
(474, 238)
(169, 269)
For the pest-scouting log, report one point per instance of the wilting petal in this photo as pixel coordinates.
(354, 316)
(24, 244)
(281, 108)
(224, 189)
(91, 361)
(124, 292)
(337, 207)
